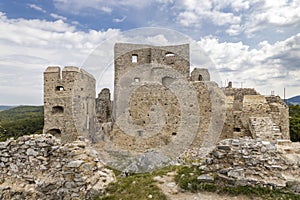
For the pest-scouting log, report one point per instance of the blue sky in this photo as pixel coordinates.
(254, 42)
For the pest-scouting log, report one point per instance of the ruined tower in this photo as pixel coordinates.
(128, 56)
(69, 103)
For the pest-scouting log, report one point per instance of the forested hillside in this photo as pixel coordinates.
(22, 120)
(295, 123)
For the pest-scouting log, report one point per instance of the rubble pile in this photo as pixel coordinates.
(41, 167)
(254, 162)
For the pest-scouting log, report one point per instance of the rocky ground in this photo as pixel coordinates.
(41, 167)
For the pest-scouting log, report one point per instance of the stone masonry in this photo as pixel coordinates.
(41, 167)
(249, 162)
(153, 101)
(69, 103)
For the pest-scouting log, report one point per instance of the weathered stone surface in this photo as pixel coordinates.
(252, 162)
(47, 169)
(158, 105)
(205, 178)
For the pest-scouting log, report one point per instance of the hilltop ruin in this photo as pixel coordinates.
(144, 77)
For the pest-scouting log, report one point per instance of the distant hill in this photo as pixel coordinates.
(294, 100)
(6, 107)
(21, 120)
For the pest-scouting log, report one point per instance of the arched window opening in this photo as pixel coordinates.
(55, 132)
(200, 77)
(169, 54)
(57, 109)
(166, 81)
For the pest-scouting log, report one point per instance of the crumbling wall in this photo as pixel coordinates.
(245, 103)
(41, 167)
(104, 106)
(69, 103)
(200, 74)
(130, 56)
(280, 115)
(255, 162)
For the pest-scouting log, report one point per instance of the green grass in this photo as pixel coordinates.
(136, 186)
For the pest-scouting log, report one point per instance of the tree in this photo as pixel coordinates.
(295, 122)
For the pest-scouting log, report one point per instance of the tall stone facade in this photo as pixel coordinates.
(69, 103)
(157, 103)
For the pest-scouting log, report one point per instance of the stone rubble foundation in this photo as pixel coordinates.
(251, 162)
(41, 167)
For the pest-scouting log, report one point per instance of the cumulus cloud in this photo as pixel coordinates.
(239, 16)
(270, 13)
(269, 67)
(29, 46)
(193, 12)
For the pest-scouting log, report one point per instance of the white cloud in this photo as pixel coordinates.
(35, 7)
(56, 16)
(239, 16)
(267, 13)
(117, 20)
(270, 67)
(193, 12)
(106, 9)
(29, 46)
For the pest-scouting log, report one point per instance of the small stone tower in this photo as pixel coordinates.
(69, 103)
(200, 74)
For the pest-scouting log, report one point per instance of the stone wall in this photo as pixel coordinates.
(244, 104)
(200, 74)
(69, 103)
(41, 167)
(104, 106)
(254, 162)
(129, 56)
(280, 115)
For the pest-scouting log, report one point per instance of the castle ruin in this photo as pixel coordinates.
(157, 102)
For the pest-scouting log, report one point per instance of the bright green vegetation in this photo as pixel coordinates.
(136, 186)
(295, 122)
(186, 178)
(22, 120)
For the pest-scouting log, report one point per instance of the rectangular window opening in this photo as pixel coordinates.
(134, 58)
